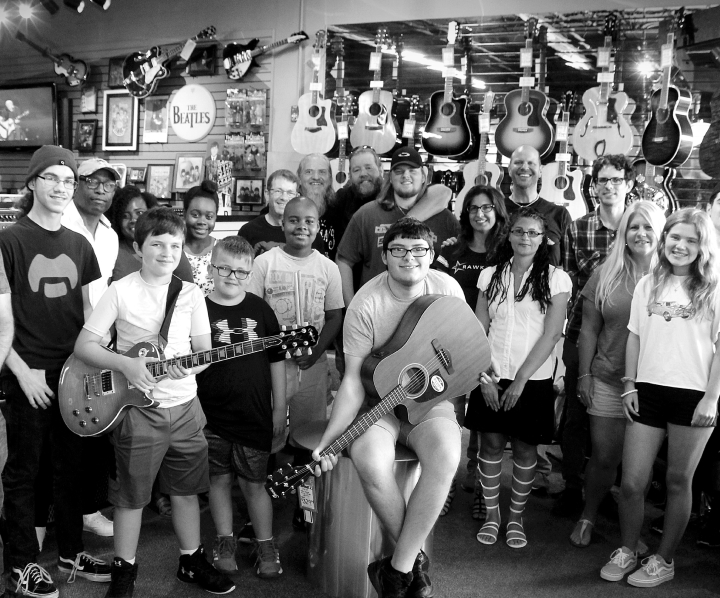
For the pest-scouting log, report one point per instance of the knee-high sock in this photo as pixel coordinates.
(521, 485)
(490, 480)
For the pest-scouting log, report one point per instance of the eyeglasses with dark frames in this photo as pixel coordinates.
(95, 183)
(414, 251)
(225, 272)
(51, 180)
(485, 209)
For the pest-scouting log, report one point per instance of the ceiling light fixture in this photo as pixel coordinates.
(25, 10)
(78, 5)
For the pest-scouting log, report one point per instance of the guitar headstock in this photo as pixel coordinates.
(530, 27)
(298, 37)
(338, 48)
(610, 27)
(381, 38)
(452, 34)
(280, 483)
(399, 46)
(297, 338)
(207, 33)
(319, 44)
(488, 102)
(414, 104)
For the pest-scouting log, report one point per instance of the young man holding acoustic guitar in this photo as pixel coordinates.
(371, 320)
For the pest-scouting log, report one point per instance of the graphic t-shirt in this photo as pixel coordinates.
(46, 271)
(236, 394)
(464, 267)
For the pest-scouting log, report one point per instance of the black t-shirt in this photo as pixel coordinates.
(46, 271)
(263, 236)
(236, 394)
(558, 219)
(465, 268)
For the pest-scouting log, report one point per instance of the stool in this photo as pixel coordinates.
(346, 535)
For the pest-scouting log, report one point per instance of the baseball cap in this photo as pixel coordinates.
(92, 165)
(406, 155)
(50, 155)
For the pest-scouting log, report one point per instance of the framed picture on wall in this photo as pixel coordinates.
(85, 135)
(188, 171)
(115, 73)
(160, 180)
(155, 125)
(137, 175)
(120, 121)
(121, 169)
(88, 100)
(248, 191)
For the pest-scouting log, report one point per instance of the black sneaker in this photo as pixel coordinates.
(32, 581)
(122, 579)
(195, 568)
(246, 535)
(388, 582)
(421, 586)
(85, 565)
(569, 504)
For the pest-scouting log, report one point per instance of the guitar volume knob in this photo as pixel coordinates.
(88, 409)
(83, 423)
(95, 420)
(76, 412)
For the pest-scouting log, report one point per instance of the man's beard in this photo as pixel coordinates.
(376, 185)
(406, 194)
(320, 196)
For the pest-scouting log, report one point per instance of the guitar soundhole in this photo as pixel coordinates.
(525, 108)
(447, 109)
(662, 115)
(341, 177)
(482, 179)
(375, 109)
(314, 111)
(413, 380)
(561, 182)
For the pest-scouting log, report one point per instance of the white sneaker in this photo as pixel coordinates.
(97, 523)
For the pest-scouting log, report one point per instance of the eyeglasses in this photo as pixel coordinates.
(225, 272)
(283, 193)
(616, 180)
(532, 234)
(485, 209)
(51, 180)
(94, 183)
(414, 251)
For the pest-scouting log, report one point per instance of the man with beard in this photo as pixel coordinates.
(315, 176)
(363, 238)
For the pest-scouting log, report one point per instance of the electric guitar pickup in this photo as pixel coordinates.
(238, 58)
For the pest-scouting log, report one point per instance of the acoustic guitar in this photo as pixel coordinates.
(447, 132)
(561, 185)
(143, 70)
(668, 136)
(553, 110)
(314, 131)
(8, 125)
(654, 183)
(344, 103)
(75, 71)
(238, 58)
(94, 401)
(603, 129)
(525, 121)
(710, 147)
(437, 352)
(374, 125)
(410, 123)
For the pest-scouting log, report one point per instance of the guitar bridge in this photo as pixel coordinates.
(443, 356)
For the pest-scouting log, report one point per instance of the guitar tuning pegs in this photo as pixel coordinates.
(283, 347)
(298, 352)
(309, 351)
(287, 355)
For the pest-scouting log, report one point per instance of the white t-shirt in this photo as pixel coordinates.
(676, 347)
(516, 326)
(274, 277)
(138, 309)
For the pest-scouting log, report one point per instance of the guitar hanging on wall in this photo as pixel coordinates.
(143, 70)
(553, 105)
(525, 121)
(74, 71)
(375, 125)
(603, 130)
(447, 132)
(343, 103)
(238, 58)
(314, 131)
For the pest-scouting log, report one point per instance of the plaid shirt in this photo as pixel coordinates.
(587, 243)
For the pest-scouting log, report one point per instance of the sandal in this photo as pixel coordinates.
(479, 510)
(448, 500)
(518, 535)
(489, 530)
(583, 530)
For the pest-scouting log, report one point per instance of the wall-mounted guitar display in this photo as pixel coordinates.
(75, 71)
(238, 58)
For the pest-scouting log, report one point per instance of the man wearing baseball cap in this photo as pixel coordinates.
(49, 269)
(85, 215)
(363, 238)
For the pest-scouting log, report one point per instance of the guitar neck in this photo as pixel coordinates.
(667, 72)
(377, 77)
(44, 51)
(448, 87)
(272, 46)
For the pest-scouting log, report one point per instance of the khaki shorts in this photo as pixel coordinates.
(402, 431)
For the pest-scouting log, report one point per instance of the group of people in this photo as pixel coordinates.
(350, 263)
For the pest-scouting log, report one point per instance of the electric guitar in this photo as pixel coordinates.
(480, 172)
(668, 136)
(525, 121)
(314, 131)
(437, 352)
(93, 401)
(710, 147)
(374, 125)
(8, 125)
(238, 58)
(559, 184)
(603, 130)
(654, 183)
(74, 71)
(344, 102)
(143, 70)
(447, 132)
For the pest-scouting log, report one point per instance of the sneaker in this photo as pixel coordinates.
(85, 565)
(97, 523)
(653, 572)
(388, 582)
(569, 504)
(267, 563)
(194, 568)
(246, 535)
(122, 579)
(620, 564)
(224, 554)
(31, 581)
(421, 586)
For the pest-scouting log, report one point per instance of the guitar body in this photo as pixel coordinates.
(524, 123)
(491, 176)
(668, 137)
(74, 71)
(594, 137)
(314, 131)
(375, 125)
(447, 132)
(432, 323)
(340, 176)
(142, 71)
(565, 190)
(93, 401)
(235, 63)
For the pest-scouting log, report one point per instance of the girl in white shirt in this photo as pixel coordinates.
(672, 382)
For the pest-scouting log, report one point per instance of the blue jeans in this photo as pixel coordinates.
(28, 431)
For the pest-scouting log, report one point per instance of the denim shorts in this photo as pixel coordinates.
(606, 400)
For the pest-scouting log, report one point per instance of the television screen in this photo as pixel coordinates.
(27, 116)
